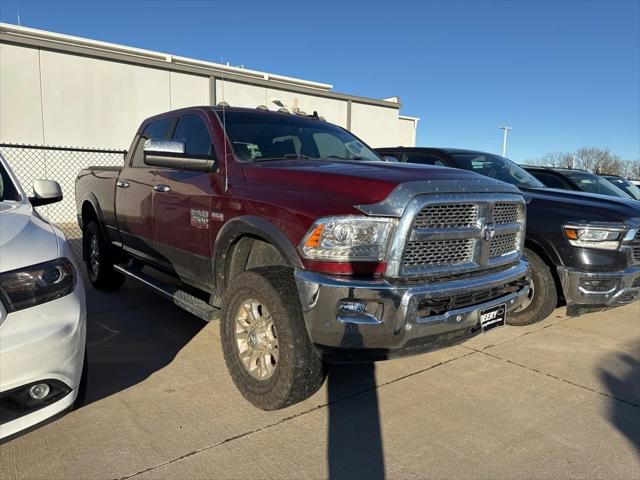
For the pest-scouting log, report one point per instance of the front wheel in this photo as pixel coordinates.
(265, 343)
(542, 298)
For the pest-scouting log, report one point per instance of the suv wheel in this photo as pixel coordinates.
(543, 297)
(99, 260)
(264, 339)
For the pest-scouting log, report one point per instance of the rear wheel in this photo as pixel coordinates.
(99, 260)
(542, 298)
(266, 347)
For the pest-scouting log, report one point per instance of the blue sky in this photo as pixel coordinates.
(562, 74)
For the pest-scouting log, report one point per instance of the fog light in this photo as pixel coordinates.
(595, 285)
(39, 391)
(351, 307)
(627, 297)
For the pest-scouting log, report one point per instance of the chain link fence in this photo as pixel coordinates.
(62, 164)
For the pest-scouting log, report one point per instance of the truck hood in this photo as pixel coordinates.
(581, 205)
(25, 238)
(358, 183)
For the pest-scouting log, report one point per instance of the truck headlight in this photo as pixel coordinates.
(30, 286)
(349, 238)
(597, 236)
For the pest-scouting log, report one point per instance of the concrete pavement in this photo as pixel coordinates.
(559, 399)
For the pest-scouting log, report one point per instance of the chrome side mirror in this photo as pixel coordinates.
(45, 192)
(164, 146)
(171, 154)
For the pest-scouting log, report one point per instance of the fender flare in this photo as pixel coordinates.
(93, 201)
(544, 246)
(255, 227)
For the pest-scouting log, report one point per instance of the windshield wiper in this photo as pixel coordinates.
(288, 156)
(343, 158)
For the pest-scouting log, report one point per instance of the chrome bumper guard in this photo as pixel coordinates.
(345, 317)
(601, 289)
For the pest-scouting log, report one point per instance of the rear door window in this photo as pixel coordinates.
(160, 129)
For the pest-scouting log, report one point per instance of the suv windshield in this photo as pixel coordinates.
(496, 167)
(589, 182)
(7, 190)
(257, 136)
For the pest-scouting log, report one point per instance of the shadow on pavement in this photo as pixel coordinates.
(131, 333)
(355, 438)
(625, 412)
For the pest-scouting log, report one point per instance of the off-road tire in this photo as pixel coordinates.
(299, 371)
(545, 296)
(102, 277)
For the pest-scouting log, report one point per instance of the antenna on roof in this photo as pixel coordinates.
(224, 106)
(18, 15)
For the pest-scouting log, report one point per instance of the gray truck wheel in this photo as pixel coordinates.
(99, 260)
(543, 297)
(265, 343)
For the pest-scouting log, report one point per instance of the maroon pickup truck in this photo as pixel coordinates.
(302, 242)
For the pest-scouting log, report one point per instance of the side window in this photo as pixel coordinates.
(193, 132)
(552, 181)
(158, 129)
(425, 159)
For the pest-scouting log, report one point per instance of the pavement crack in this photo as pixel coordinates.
(291, 417)
(568, 382)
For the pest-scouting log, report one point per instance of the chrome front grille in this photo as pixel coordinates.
(458, 234)
(504, 244)
(438, 252)
(456, 215)
(506, 213)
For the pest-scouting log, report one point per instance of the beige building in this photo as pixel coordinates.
(62, 90)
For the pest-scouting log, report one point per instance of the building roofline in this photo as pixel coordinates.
(34, 38)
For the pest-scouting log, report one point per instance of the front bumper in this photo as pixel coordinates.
(45, 342)
(592, 290)
(397, 320)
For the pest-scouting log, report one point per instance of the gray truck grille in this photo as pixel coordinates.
(635, 248)
(506, 213)
(452, 237)
(503, 244)
(458, 215)
(445, 252)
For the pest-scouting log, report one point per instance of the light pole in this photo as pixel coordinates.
(505, 129)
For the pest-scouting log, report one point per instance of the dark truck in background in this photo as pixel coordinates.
(582, 247)
(305, 245)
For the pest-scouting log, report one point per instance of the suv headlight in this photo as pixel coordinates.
(30, 286)
(594, 236)
(349, 238)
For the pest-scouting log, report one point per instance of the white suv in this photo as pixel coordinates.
(42, 310)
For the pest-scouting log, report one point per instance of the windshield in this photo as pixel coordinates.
(257, 137)
(7, 190)
(588, 182)
(626, 186)
(496, 167)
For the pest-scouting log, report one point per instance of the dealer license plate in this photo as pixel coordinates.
(493, 317)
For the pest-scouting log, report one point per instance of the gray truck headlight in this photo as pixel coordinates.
(348, 238)
(30, 286)
(596, 236)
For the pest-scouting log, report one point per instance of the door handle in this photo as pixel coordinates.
(162, 188)
(122, 184)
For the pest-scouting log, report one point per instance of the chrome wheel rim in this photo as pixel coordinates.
(94, 255)
(257, 339)
(527, 301)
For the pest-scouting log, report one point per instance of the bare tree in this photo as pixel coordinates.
(597, 160)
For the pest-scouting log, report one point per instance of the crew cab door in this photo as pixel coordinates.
(134, 189)
(182, 201)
